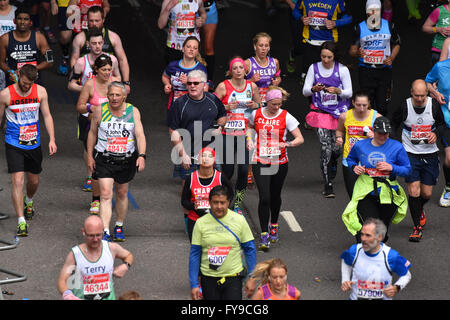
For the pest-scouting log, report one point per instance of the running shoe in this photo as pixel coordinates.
(445, 197)
(22, 229)
(273, 231)
(265, 241)
(118, 235)
(416, 235)
(423, 219)
(107, 237)
(95, 207)
(88, 185)
(328, 191)
(238, 210)
(63, 68)
(28, 210)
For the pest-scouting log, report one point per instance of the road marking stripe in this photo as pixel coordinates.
(291, 221)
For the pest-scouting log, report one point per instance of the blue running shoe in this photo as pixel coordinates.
(119, 236)
(107, 237)
(265, 242)
(273, 231)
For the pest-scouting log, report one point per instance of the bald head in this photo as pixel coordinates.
(92, 224)
(419, 93)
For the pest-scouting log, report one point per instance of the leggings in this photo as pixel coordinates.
(329, 153)
(349, 180)
(269, 190)
(231, 289)
(236, 145)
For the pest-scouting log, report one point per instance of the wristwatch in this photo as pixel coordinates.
(142, 155)
(126, 83)
(128, 265)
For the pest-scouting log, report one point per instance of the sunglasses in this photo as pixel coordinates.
(195, 83)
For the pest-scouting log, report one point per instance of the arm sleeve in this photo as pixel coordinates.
(352, 158)
(403, 280)
(395, 36)
(347, 91)
(345, 20)
(250, 254)
(194, 265)
(346, 271)
(296, 12)
(399, 116)
(309, 82)
(402, 167)
(438, 118)
(186, 195)
(173, 116)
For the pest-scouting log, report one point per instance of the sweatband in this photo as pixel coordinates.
(274, 94)
(237, 60)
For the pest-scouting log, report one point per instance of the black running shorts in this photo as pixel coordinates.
(122, 172)
(21, 160)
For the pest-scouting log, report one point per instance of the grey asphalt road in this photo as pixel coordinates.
(155, 231)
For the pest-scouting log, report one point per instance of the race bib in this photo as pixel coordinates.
(235, 121)
(217, 256)
(117, 144)
(202, 203)
(374, 56)
(317, 18)
(419, 133)
(21, 64)
(270, 149)
(185, 23)
(328, 99)
(96, 284)
(28, 134)
(370, 290)
(375, 173)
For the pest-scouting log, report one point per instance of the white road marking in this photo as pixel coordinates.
(291, 221)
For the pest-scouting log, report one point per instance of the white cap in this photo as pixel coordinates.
(373, 4)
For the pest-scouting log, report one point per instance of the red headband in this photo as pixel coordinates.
(237, 60)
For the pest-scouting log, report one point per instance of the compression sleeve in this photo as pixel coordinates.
(402, 167)
(250, 254)
(346, 271)
(309, 82)
(186, 195)
(194, 265)
(345, 20)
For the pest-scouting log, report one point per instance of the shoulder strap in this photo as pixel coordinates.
(226, 227)
(291, 291)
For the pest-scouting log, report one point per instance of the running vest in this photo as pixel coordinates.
(442, 22)
(371, 274)
(116, 134)
(266, 74)
(107, 45)
(270, 132)
(416, 128)
(84, 6)
(96, 276)
(376, 45)
(22, 119)
(268, 295)
(96, 99)
(20, 53)
(200, 193)
(355, 131)
(237, 119)
(182, 23)
(63, 3)
(88, 73)
(329, 102)
(7, 22)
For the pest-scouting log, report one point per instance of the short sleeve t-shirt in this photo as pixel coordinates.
(219, 246)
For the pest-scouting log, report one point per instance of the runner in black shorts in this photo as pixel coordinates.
(59, 8)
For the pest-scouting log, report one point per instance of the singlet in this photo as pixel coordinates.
(88, 73)
(329, 102)
(20, 53)
(266, 74)
(107, 45)
(7, 21)
(270, 132)
(22, 119)
(443, 21)
(376, 45)
(200, 193)
(96, 99)
(355, 131)
(174, 71)
(95, 277)
(116, 134)
(84, 5)
(182, 23)
(268, 295)
(63, 3)
(237, 119)
(416, 128)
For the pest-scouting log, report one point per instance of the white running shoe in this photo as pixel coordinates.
(445, 198)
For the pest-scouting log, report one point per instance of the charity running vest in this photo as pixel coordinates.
(442, 22)
(355, 131)
(416, 128)
(266, 74)
(270, 132)
(96, 277)
(182, 23)
(20, 53)
(7, 21)
(237, 119)
(376, 45)
(22, 119)
(200, 193)
(371, 274)
(84, 6)
(268, 295)
(116, 135)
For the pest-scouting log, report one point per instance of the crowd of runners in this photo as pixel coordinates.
(215, 126)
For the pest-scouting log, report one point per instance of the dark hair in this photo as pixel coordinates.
(101, 61)
(95, 9)
(220, 190)
(360, 94)
(94, 32)
(333, 47)
(22, 9)
(29, 71)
